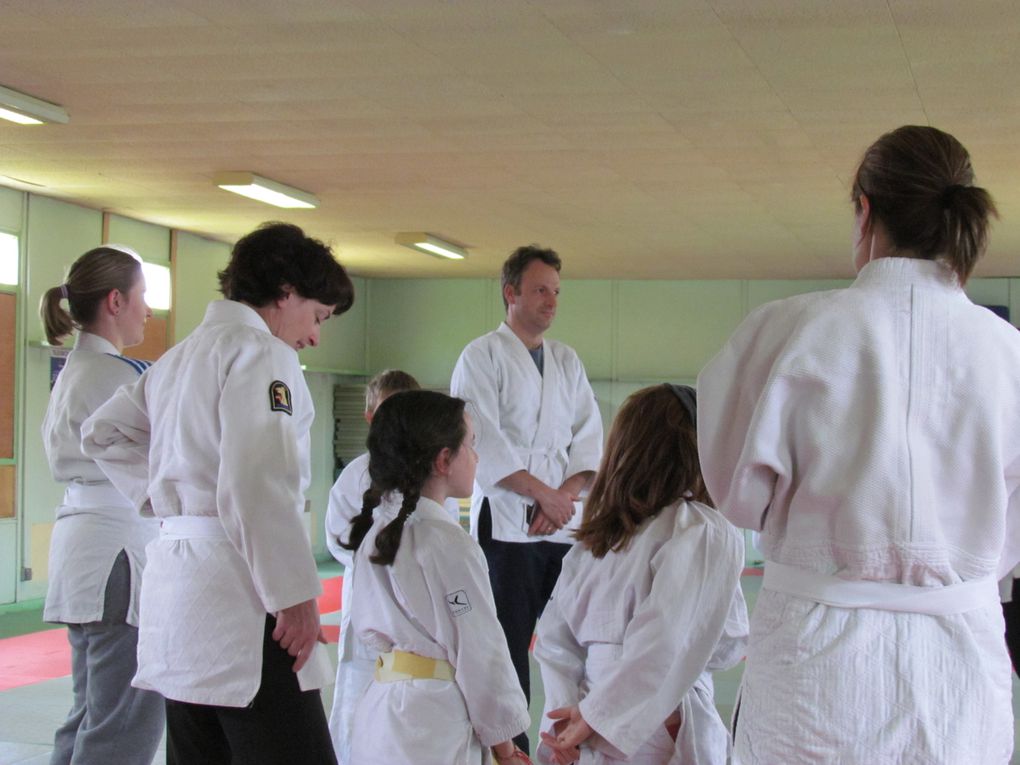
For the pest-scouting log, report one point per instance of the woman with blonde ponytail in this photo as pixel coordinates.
(870, 433)
(444, 689)
(97, 550)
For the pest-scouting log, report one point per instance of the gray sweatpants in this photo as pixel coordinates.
(109, 721)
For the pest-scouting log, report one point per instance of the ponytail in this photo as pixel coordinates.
(967, 212)
(919, 182)
(90, 279)
(362, 521)
(56, 320)
(387, 542)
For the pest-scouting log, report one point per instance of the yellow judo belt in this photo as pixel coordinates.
(401, 665)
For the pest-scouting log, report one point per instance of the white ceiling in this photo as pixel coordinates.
(643, 139)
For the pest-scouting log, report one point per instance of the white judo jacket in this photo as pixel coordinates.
(95, 521)
(434, 601)
(635, 635)
(355, 660)
(547, 424)
(871, 433)
(214, 441)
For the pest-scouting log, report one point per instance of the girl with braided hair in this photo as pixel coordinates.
(444, 688)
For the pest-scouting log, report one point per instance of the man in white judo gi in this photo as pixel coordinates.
(214, 440)
(539, 441)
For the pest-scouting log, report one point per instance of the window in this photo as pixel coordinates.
(8, 259)
(157, 286)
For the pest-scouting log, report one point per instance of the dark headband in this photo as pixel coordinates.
(688, 397)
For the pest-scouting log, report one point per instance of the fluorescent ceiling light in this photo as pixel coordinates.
(29, 110)
(433, 245)
(264, 190)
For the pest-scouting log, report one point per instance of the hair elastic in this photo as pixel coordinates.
(63, 291)
(688, 397)
(949, 194)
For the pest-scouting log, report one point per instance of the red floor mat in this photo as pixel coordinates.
(46, 655)
(329, 600)
(32, 658)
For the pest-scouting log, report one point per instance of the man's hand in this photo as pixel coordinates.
(298, 629)
(541, 525)
(557, 505)
(553, 507)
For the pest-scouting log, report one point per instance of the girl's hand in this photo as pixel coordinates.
(507, 753)
(571, 731)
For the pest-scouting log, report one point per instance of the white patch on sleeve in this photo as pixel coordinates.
(458, 602)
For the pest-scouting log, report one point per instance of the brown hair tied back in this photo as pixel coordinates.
(920, 185)
(90, 279)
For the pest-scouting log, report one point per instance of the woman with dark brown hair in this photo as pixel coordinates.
(648, 604)
(870, 434)
(214, 440)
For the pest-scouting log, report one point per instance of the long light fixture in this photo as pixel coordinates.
(29, 110)
(433, 245)
(265, 190)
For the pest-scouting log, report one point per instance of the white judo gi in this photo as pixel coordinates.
(355, 661)
(434, 601)
(95, 521)
(545, 423)
(210, 442)
(871, 433)
(91, 588)
(635, 635)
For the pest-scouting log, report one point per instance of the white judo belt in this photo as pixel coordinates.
(94, 496)
(191, 527)
(883, 596)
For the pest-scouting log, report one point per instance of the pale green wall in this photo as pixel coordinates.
(628, 333)
(421, 325)
(195, 282)
(11, 202)
(150, 241)
(342, 340)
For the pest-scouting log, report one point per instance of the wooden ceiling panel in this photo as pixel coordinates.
(702, 138)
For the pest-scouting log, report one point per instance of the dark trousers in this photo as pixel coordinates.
(282, 726)
(523, 575)
(1012, 613)
(109, 720)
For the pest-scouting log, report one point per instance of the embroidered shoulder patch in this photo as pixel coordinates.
(458, 603)
(279, 398)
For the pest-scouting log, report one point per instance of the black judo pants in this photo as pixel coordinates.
(282, 726)
(1012, 613)
(522, 575)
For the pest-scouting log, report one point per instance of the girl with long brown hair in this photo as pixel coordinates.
(648, 603)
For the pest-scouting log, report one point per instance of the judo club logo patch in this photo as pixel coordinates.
(458, 602)
(279, 398)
